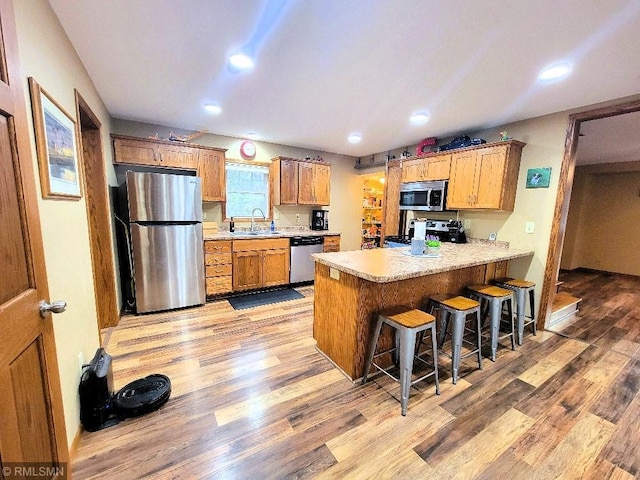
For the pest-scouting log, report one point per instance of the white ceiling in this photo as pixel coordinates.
(608, 140)
(326, 68)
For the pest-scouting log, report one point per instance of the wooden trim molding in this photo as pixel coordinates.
(564, 196)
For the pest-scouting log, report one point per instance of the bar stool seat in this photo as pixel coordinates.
(407, 323)
(459, 308)
(496, 298)
(521, 287)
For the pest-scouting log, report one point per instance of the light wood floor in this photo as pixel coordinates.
(253, 399)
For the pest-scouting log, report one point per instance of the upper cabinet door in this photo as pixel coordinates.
(211, 169)
(322, 184)
(288, 182)
(463, 180)
(491, 169)
(438, 168)
(178, 156)
(305, 183)
(136, 152)
(413, 170)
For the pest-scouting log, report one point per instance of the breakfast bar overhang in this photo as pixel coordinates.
(352, 286)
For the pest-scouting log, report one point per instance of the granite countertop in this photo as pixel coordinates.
(285, 232)
(383, 265)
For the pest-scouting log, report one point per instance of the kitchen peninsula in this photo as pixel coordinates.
(352, 286)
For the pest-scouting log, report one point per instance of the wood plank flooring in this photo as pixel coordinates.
(609, 314)
(252, 398)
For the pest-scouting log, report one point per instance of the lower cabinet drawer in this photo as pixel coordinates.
(217, 285)
(217, 258)
(218, 270)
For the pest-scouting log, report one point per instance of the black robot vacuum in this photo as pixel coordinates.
(101, 407)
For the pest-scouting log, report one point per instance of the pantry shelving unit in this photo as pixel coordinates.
(372, 195)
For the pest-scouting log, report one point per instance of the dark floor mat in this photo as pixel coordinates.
(263, 298)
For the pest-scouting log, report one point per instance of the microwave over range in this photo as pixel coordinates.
(425, 196)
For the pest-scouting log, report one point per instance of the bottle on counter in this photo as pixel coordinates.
(273, 226)
(231, 225)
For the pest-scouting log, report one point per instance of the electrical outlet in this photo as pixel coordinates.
(204, 215)
(467, 223)
(298, 217)
(333, 273)
(80, 360)
(529, 227)
(276, 214)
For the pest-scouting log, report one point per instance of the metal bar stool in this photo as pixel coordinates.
(521, 287)
(459, 308)
(407, 323)
(496, 298)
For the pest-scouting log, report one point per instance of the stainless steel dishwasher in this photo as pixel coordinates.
(302, 266)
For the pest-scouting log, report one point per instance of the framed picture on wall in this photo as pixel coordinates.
(538, 177)
(56, 146)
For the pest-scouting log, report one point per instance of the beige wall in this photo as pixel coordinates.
(346, 187)
(47, 55)
(602, 230)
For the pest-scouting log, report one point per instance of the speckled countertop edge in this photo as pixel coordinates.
(385, 265)
(282, 233)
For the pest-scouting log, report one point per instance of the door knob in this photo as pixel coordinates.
(55, 307)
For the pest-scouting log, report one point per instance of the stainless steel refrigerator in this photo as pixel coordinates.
(165, 224)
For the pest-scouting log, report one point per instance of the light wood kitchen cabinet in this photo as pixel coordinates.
(140, 151)
(331, 243)
(178, 156)
(485, 177)
(134, 151)
(300, 182)
(285, 181)
(313, 188)
(260, 263)
(426, 168)
(218, 266)
(391, 202)
(247, 270)
(211, 169)
(208, 161)
(276, 266)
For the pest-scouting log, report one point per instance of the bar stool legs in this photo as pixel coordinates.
(496, 297)
(459, 308)
(520, 288)
(408, 323)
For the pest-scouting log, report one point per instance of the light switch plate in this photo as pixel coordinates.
(467, 223)
(529, 227)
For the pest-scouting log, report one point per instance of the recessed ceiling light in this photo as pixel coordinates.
(354, 138)
(554, 72)
(241, 61)
(215, 109)
(418, 118)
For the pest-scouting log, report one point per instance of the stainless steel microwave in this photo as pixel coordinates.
(426, 196)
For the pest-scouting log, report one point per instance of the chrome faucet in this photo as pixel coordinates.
(252, 214)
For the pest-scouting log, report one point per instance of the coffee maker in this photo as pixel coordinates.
(319, 220)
